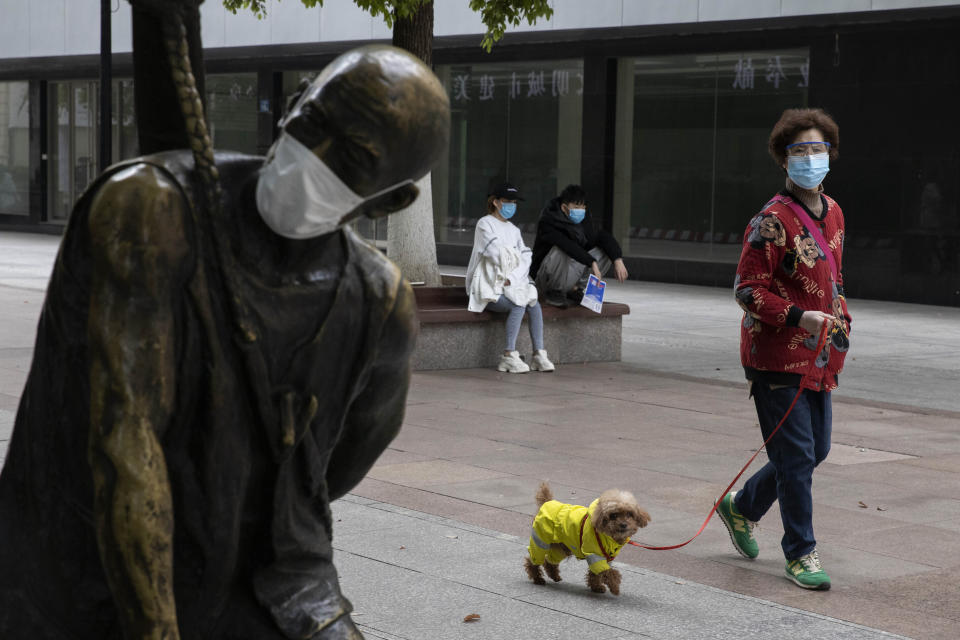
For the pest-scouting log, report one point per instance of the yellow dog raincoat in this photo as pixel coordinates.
(571, 526)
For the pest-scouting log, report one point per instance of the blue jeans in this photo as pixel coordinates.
(515, 317)
(802, 443)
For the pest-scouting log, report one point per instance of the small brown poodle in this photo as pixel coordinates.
(595, 534)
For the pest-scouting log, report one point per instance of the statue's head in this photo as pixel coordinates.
(377, 118)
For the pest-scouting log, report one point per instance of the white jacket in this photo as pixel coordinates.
(499, 254)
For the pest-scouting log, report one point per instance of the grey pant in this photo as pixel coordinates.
(560, 272)
(515, 317)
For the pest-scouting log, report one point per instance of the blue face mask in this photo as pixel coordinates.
(507, 209)
(576, 215)
(808, 171)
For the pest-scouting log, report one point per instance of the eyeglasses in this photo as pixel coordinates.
(807, 148)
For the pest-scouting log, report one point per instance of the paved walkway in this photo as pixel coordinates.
(437, 530)
(416, 576)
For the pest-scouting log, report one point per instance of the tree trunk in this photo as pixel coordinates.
(411, 242)
(410, 239)
(415, 34)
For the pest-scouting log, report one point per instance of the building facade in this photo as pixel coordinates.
(660, 108)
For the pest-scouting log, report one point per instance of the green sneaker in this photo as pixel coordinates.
(741, 529)
(807, 572)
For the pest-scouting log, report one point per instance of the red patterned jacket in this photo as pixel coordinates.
(781, 274)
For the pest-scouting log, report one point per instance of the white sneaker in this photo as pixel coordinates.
(541, 362)
(511, 363)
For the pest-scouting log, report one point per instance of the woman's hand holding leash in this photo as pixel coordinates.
(812, 321)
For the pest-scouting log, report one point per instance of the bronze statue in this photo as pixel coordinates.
(218, 358)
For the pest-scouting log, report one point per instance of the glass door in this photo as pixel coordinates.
(72, 147)
(15, 148)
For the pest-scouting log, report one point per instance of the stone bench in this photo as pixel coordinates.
(453, 338)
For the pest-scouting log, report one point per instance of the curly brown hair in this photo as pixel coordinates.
(794, 121)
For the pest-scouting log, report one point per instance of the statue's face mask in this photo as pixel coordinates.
(299, 196)
(375, 116)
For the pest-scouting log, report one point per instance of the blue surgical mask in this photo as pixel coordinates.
(808, 171)
(576, 215)
(507, 209)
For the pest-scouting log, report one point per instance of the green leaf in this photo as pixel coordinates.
(495, 14)
(258, 7)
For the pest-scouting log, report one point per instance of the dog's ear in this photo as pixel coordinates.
(643, 518)
(598, 515)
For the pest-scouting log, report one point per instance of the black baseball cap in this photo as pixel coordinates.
(506, 191)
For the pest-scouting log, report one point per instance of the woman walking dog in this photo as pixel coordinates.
(789, 284)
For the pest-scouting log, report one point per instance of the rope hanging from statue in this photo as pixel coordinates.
(821, 343)
(221, 258)
(201, 147)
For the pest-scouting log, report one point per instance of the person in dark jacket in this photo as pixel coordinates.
(569, 247)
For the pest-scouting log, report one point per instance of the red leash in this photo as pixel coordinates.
(820, 344)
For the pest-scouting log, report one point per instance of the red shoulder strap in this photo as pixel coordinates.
(811, 228)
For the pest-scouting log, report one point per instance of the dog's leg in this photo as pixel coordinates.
(595, 582)
(611, 578)
(533, 571)
(553, 570)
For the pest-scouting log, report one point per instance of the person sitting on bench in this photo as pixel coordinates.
(497, 279)
(569, 247)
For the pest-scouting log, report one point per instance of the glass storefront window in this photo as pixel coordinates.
(73, 124)
(74, 139)
(14, 148)
(232, 111)
(123, 138)
(517, 122)
(72, 155)
(691, 147)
